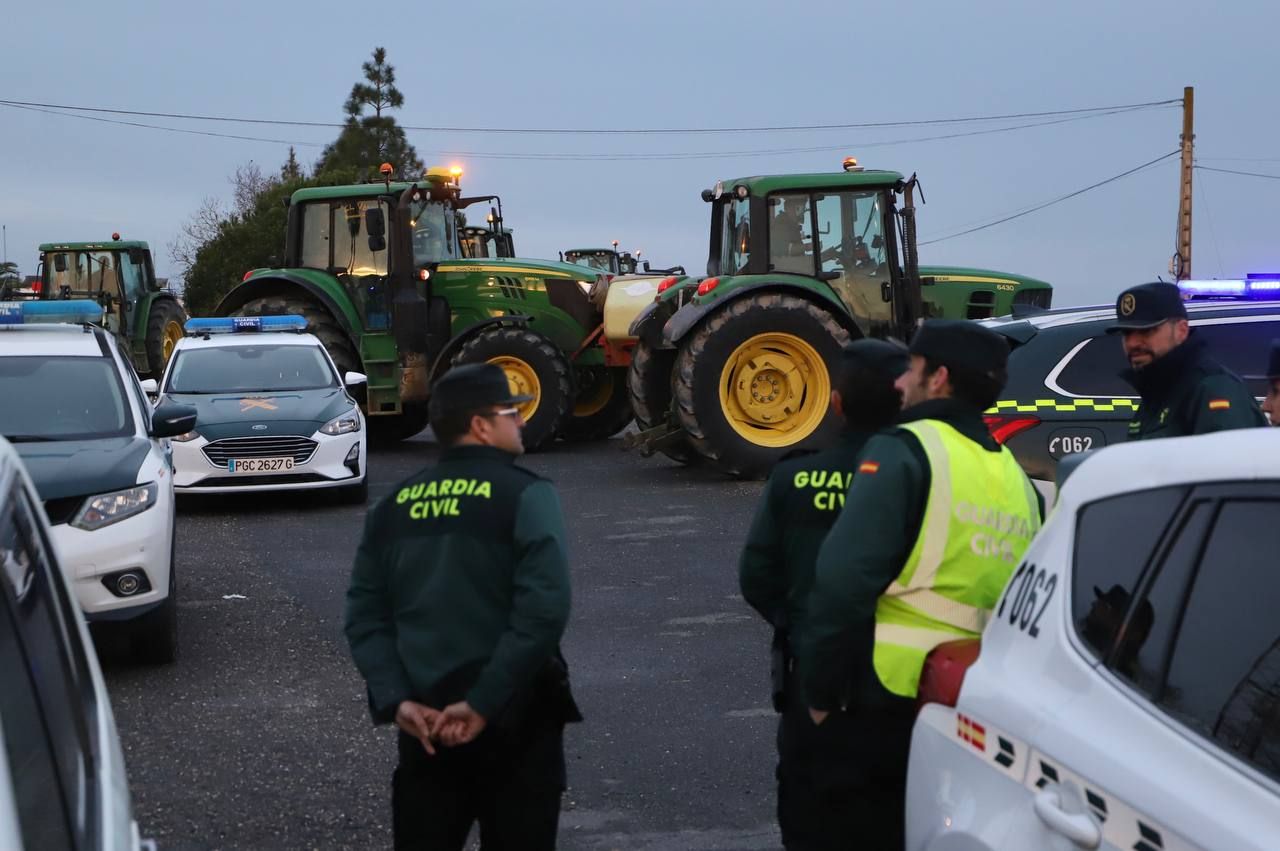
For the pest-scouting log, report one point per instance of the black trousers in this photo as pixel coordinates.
(842, 784)
(510, 785)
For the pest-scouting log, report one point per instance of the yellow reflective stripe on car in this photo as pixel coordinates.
(1063, 405)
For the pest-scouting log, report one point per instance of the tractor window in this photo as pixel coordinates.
(315, 235)
(735, 238)
(132, 276)
(351, 250)
(790, 234)
(434, 240)
(86, 274)
(852, 245)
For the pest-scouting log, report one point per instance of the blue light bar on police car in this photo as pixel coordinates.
(69, 311)
(1259, 287)
(242, 324)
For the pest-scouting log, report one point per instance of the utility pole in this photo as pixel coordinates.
(1181, 263)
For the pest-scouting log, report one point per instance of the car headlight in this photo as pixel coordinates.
(105, 509)
(186, 436)
(343, 423)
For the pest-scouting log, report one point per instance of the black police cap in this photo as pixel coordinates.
(960, 344)
(1148, 305)
(473, 386)
(884, 356)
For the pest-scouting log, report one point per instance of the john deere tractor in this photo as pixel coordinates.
(378, 271)
(614, 262)
(145, 317)
(735, 368)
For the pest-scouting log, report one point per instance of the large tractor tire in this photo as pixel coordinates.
(753, 382)
(534, 367)
(164, 330)
(649, 388)
(601, 408)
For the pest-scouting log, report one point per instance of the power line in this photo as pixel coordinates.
(1036, 208)
(614, 130)
(168, 129)
(1233, 171)
(621, 156)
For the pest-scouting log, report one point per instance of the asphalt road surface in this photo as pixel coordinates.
(258, 737)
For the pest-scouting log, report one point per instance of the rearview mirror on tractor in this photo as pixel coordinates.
(374, 223)
(60, 262)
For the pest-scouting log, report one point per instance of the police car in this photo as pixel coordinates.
(1065, 393)
(1126, 692)
(274, 411)
(62, 773)
(97, 453)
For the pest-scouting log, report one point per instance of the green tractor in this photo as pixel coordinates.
(144, 316)
(491, 240)
(613, 262)
(379, 273)
(734, 368)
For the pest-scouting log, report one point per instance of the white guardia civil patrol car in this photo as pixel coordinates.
(96, 450)
(62, 772)
(1126, 694)
(274, 413)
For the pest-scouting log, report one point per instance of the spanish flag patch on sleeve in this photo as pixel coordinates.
(868, 466)
(1219, 404)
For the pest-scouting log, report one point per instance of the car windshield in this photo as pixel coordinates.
(62, 398)
(250, 369)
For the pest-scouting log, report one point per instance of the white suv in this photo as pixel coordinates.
(1127, 690)
(100, 460)
(62, 775)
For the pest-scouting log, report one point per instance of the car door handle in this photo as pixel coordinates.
(1080, 828)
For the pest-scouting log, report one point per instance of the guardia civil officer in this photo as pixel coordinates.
(1184, 390)
(935, 521)
(1271, 404)
(801, 500)
(458, 599)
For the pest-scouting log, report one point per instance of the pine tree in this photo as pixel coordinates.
(292, 169)
(367, 141)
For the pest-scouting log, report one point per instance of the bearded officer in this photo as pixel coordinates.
(801, 500)
(458, 599)
(1184, 390)
(935, 521)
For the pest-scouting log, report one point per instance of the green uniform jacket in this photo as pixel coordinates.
(864, 552)
(1187, 392)
(801, 500)
(460, 588)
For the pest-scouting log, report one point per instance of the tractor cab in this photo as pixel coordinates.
(120, 277)
(833, 234)
(611, 261)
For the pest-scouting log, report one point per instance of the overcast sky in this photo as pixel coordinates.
(673, 64)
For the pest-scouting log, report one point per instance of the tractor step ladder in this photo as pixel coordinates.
(377, 353)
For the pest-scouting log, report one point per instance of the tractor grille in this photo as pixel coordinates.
(221, 451)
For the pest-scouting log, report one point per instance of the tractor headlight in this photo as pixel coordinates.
(105, 509)
(343, 423)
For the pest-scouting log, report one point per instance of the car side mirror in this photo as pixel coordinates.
(151, 387)
(171, 420)
(355, 379)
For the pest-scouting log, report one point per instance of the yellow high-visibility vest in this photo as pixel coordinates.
(979, 519)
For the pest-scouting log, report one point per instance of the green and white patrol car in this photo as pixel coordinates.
(274, 412)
